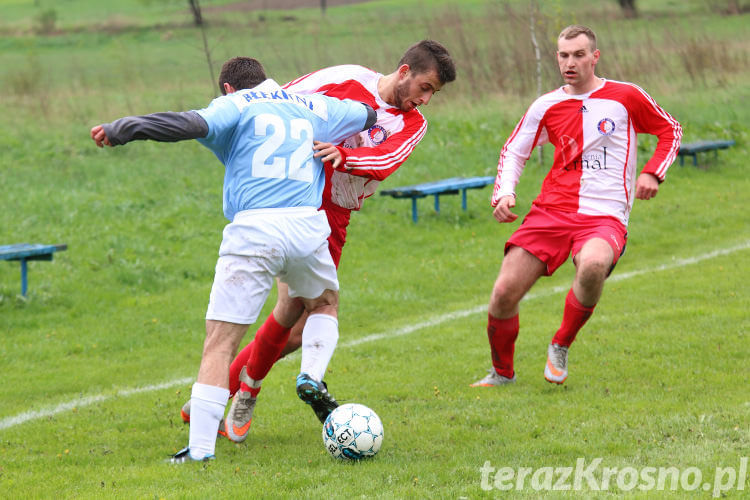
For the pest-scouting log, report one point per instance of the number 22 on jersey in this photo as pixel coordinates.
(272, 159)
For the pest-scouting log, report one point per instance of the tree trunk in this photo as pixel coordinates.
(628, 8)
(538, 56)
(195, 7)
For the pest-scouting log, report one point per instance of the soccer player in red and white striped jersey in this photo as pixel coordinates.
(365, 159)
(353, 171)
(585, 200)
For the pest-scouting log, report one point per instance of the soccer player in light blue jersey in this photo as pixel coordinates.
(273, 185)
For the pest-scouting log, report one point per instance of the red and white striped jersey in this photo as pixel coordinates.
(594, 166)
(374, 154)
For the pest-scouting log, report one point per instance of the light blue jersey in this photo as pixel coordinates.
(264, 138)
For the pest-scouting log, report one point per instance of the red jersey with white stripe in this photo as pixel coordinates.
(372, 155)
(594, 166)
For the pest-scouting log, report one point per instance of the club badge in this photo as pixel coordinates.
(377, 134)
(606, 126)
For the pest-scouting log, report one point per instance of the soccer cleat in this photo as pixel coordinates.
(316, 395)
(240, 416)
(494, 379)
(185, 414)
(556, 370)
(184, 455)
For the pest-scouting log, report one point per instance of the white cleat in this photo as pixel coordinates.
(556, 370)
(494, 379)
(240, 416)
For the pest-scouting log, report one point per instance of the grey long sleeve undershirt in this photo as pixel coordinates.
(168, 126)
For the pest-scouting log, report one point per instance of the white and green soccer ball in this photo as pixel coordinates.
(352, 431)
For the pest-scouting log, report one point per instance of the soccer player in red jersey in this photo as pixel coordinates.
(585, 200)
(353, 171)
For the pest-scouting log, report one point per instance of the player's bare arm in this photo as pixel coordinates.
(502, 211)
(327, 152)
(646, 186)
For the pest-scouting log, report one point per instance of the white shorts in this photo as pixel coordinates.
(259, 245)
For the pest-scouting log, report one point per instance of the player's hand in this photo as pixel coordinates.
(327, 152)
(646, 186)
(502, 211)
(100, 138)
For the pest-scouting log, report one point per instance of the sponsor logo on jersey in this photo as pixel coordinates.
(277, 95)
(583, 109)
(377, 134)
(314, 103)
(606, 126)
(591, 161)
(568, 148)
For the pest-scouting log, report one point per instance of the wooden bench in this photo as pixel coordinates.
(693, 148)
(437, 188)
(25, 252)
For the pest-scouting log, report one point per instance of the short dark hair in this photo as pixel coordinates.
(429, 55)
(241, 73)
(574, 30)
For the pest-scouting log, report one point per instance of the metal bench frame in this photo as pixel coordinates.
(693, 148)
(25, 252)
(453, 185)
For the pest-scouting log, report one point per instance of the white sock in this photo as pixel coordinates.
(319, 338)
(207, 404)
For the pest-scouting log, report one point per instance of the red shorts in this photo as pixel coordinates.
(551, 235)
(338, 219)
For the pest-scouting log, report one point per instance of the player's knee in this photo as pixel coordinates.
(288, 312)
(326, 309)
(593, 271)
(327, 303)
(503, 299)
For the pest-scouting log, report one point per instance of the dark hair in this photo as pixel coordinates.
(574, 30)
(429, 55)
(241, 73)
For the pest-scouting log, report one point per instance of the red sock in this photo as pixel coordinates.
(502, 334)
(269, 341)
(575, 316)
(243, 357)
(236, 367)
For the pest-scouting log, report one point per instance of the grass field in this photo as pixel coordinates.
(97, 360)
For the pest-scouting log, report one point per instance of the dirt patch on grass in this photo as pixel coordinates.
(250, 5)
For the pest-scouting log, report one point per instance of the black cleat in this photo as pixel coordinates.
(316, 395)
(183, 456)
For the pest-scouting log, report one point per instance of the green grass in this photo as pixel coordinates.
(658, 376)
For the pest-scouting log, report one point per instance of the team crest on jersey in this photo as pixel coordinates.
(377, 134)
(606, 126)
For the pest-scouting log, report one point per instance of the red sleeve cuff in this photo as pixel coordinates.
(342, 165)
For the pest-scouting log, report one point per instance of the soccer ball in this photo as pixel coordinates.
(352, 431)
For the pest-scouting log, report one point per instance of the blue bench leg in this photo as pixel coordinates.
(24, 279)
(437, 203)
(463, 199)
(414, 209)
(695, 160)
